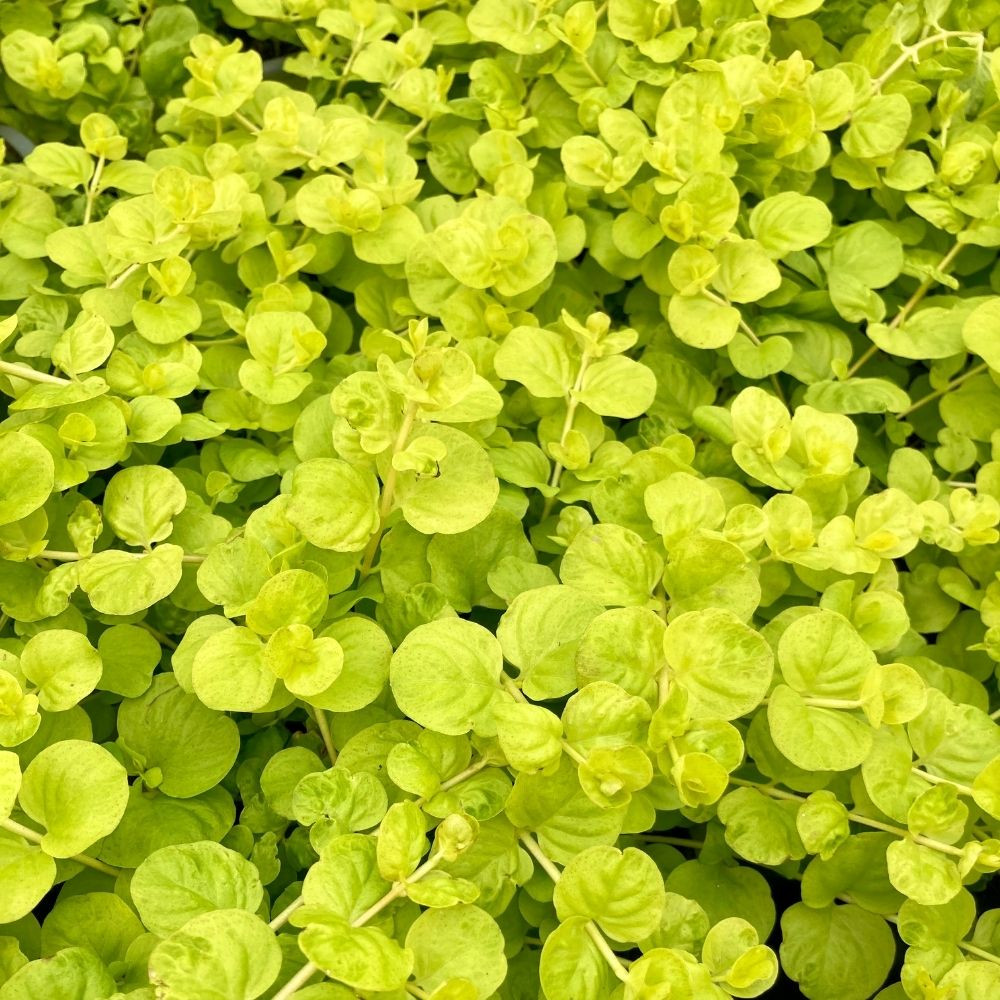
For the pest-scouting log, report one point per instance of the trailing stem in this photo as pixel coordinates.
(388, 489)
(571, 405)
(36, 838)
(282, 918)
(398, 890)
(593, 931)
(874, 824)
(908, 306)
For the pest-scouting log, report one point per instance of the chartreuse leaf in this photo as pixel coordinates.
(822, 654)
(540, 634)
(361, 957)
(760, 828)
(100, 921)
(26, 875)
(446, 674)
(181, 747)
(229, 672)
(856, 868)
(623, 646)
(140, 502)
(10, 782)
(64, 667)
(460, 493)
(591, 885)
(724, 666)
(71, 972)
(455, 944)
(922, 874)
(734, 955)
(323, 485)
(681, 504)
(77, 791)
(223, 953)
(306, 665)
(986, 788)
(529, 735)
(612, 565)
(822, 824)
(401, 841)
(571, 964)
(667, 965)
(129, 655)
(790, 221)
(367, 653)
(617, 387)
(539, 359)
(176, 884)
(813, 737)
(28, 476)
(346, 880)
(124, 583)
(563, 816)
(836, 951)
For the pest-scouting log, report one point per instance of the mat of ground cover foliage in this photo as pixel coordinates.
(499, 499)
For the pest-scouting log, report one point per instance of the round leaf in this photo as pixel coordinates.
(77, 791)
(446, 674)
(222, 955)
(176, 884)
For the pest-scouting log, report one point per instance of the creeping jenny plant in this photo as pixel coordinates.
(499, 499)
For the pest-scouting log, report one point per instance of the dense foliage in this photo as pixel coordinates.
(499, 499)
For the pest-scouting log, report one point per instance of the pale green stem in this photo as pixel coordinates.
(452, 782)
(659, 838)
(591, 72)
(324, 731)
(218, 342)
(909, 51)
(937, 780)
(911, 303)
(349, 65)
(30, 375)
(972, 949)
(966, 946)
(124, 276)
(398, 889)
(282, 918)
(663, 686)
(845, 704)
(159, 636)
(953, 384)
(92, 190)
(297, 981)
(298, 150)
(546, 864)
(899, 831)
(61, 555)
(36, 838)
(571, 405)
(388, 489)
(748, 330)
(416, 130)
(617, 967)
